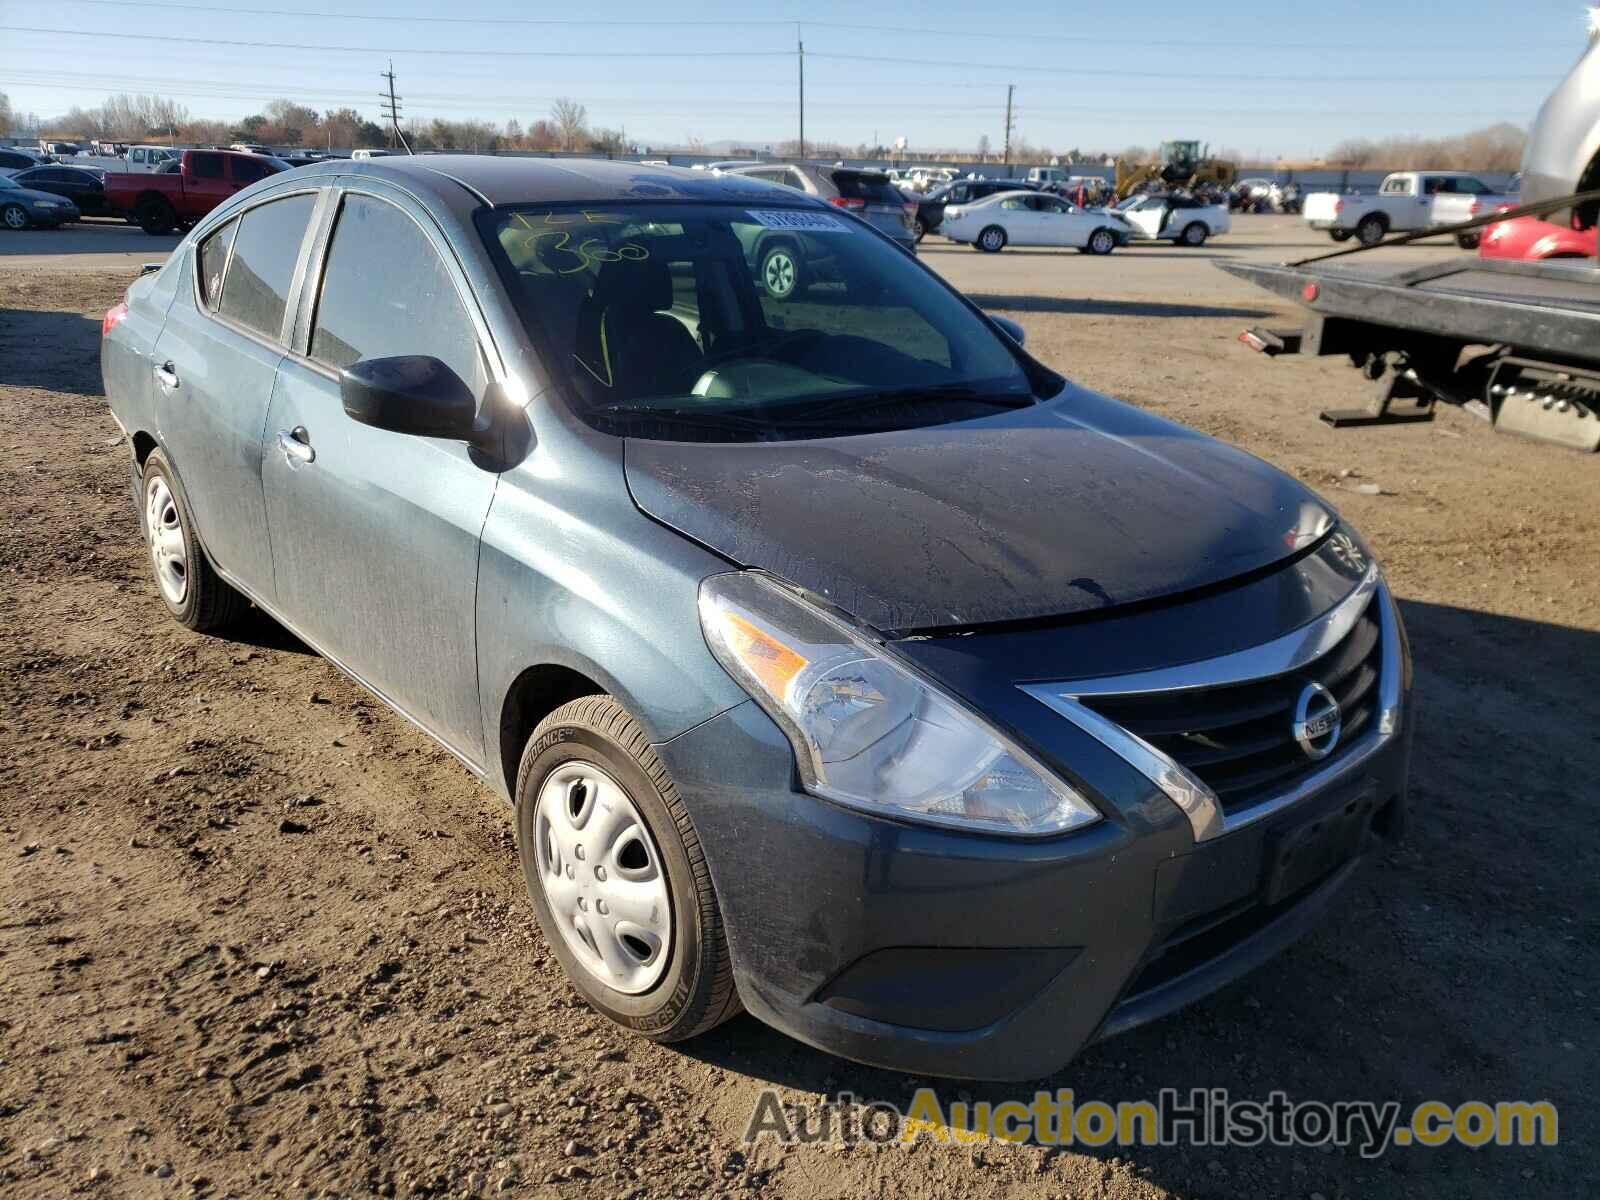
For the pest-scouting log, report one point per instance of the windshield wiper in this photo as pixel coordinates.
(961, 393)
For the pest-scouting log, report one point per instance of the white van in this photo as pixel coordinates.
(361, 154)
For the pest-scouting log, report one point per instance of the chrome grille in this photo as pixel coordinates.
(1238, 738)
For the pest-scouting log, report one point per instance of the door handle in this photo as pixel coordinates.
(296, 445)
(167, 376)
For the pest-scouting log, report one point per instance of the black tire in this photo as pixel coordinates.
(782, 275)
(1467, 241)
(155, 216)
(696, 991)
(1101, 241)
(1371, 229)
(918, 229)
(15, 217)
(991, 239)
(1194, 234)
(1340, 235)
(208, 604)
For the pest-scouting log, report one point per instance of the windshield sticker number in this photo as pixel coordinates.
(805, 222)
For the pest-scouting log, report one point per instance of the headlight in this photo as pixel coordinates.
(869, 732)
(48, 204)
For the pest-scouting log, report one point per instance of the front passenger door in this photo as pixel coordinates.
(375, 533)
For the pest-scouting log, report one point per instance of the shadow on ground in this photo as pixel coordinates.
(1494, 882)
(1081, 306)
(55, 350)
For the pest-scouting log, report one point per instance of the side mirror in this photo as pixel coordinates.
(410, 393)
(1010, 328)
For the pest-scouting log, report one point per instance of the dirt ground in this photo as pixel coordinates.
(260, 937)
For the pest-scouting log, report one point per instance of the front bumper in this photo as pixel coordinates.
(939, 952)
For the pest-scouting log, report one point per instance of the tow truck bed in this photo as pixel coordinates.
(1517, 342)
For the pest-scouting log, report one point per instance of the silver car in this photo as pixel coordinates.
(870, 195)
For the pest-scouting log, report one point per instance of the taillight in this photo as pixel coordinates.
(911, 208)
(1338, 207)
(1473, 211)
(851, 202)
(115, 316)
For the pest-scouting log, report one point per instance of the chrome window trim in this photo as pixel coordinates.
(1197, 801)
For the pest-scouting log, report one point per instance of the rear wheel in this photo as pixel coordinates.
(14, 216)
(194, 594)
(155, 216)
(1102, 241)
(1340, 235)
(1371, 230)
(1194, 234)
(1467, 241)
(918, 229)
(992, 240)
(617, 874)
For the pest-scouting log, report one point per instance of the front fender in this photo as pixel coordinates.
(571, 574)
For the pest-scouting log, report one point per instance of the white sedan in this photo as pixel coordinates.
(1033, 219)
(1180, 219)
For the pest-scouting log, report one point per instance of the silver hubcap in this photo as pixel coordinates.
(16, 218)
(167, 549)
(1196, 235)
(991, 240)
(1102, 243)
(603, 878)
(779, 274)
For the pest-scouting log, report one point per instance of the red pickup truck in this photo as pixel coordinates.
(163, 202)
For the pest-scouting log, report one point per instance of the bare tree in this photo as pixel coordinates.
(570, 119)
(5, 113)
(983, 148)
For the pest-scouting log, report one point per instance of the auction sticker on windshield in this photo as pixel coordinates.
(807, 222)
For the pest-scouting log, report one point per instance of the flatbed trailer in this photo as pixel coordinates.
(1517, 343)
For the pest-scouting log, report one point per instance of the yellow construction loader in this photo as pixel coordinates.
(1182, 165)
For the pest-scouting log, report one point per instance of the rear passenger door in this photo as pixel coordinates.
(375, 533)
(212, 370)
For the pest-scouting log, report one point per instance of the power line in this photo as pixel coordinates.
(169, 38)
(1409, 49)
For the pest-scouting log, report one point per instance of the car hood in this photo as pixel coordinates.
(1080, 504)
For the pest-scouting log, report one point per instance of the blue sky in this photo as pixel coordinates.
(1282, 78)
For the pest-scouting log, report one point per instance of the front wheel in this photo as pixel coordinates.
(14, 216)
(919, 229)
(1467, 241)
(992, 240)
(617, 875)
(1194, 234)
(1102, 241)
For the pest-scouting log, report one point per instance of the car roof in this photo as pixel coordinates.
(496, 180)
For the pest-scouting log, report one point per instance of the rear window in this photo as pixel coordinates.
(248, 170)
(205, 166)
(874, 189)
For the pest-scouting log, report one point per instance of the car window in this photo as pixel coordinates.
(214, 261)
(248, 170)
(255, 291)
(385, 292)
(205, 166)
(1395, 187)
(853, 185)
(1470, 186)
(722, 322)
(1015, 203)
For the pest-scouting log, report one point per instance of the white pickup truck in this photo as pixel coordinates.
(1407, 201)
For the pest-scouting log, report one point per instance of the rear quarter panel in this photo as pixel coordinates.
(125, 352)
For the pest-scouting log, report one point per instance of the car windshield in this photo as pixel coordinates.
(722, 322)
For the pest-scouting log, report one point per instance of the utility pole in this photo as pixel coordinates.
(1010, 89)
(801, 52)
(391, 109)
